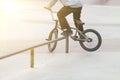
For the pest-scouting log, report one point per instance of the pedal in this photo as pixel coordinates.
(74, 38)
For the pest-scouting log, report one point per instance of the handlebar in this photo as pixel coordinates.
(50, 10)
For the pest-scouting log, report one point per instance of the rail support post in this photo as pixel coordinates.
(67, 44)
(32, 57)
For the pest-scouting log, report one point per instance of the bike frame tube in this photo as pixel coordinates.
(52, 12)
(77, 30)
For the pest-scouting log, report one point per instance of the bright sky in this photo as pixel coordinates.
(7, 5)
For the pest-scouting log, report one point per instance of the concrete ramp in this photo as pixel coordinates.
(73, 66)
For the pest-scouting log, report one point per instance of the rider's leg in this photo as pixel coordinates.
(76, 16)
(63, 22)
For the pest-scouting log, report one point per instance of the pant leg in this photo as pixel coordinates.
(63, 12)
(77, 15)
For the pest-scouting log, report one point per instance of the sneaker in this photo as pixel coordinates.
(67, 32)
(79, 22)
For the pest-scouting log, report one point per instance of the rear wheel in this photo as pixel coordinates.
(52, 36)
(93, 42)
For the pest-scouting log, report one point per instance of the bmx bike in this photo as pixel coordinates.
(91, 39)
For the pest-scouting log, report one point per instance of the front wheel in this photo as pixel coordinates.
(52, 36)
(93, 40)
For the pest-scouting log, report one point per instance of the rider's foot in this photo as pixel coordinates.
(67, 32)
(79, 22)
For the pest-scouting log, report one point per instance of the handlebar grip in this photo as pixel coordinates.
(48, 8)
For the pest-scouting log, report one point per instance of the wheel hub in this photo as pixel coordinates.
(89, 40)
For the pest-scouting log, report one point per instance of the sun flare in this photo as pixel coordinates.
(8, 6)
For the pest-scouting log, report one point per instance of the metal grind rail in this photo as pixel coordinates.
(36, 46)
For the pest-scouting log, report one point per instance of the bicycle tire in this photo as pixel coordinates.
(98, 37)
(52, 36)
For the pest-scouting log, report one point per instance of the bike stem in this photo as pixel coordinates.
(52, 12)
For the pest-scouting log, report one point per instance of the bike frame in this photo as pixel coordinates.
(85, 42)
(57, 26)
